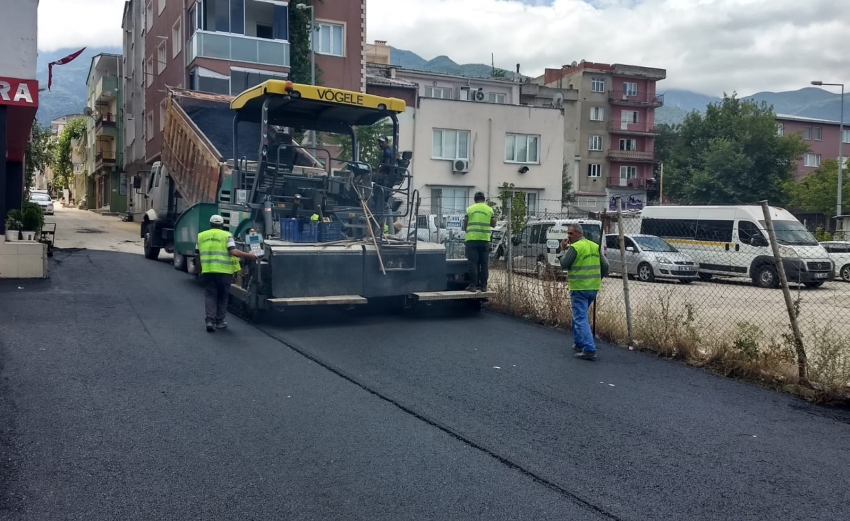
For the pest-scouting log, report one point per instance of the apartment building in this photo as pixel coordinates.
(822, 137)
(471, 134)
(133, 82)
(615, 152)
(107, 185)
(227, 46)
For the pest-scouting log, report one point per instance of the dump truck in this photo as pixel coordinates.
(319, 223)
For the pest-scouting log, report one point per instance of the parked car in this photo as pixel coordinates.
(649, 257)
(534, 248)
(839, 252)
(43, 200)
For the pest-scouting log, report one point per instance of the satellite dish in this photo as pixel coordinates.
(574, 63)
(87, 111)
(557, 100)
(582, 61)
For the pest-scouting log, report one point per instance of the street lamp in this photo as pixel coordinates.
(303, 7)
(840, 141)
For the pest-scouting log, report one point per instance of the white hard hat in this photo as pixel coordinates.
(216, 219)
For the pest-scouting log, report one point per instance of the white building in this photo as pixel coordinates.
(134, 102)
(470, 134)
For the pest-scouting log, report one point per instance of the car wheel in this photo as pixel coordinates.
(151, 252)
(845, 273)
(645, 273)
(766, 277)
(815, 284)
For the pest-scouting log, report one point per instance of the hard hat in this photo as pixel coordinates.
(216, 219)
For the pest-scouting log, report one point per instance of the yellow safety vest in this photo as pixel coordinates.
(478, 218)
(586, 272)
(212, 250)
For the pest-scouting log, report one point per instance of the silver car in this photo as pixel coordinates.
(648, 258)
(44, 201)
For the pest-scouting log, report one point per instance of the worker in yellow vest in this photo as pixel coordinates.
(219, 261)
(478, 223)
(585, 267)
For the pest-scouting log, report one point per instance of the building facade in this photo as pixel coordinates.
(615, 150)
(821, 136)
(471, 134)
(133, 80)
(107, 182)
(227, 46)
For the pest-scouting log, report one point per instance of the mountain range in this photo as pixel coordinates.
(68, 94)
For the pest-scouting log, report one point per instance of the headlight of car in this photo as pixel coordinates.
(664, 260)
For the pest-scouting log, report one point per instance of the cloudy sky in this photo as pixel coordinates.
(707, 46)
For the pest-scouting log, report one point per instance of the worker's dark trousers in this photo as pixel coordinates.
(478, 256)
(216, 294)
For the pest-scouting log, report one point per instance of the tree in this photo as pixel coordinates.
(367, 142)
(731, 155)
(519, 209)
(64, 169)
(566, 186)
(816, 192)
(40, 154)
(299, 45)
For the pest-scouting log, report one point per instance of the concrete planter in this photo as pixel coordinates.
(13, 235)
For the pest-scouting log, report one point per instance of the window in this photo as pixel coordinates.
(449, 144)
(714, 231)
(780, 129)
(328, 39)
(818, 133)
(628, 144)
(149, 71)
(439, 92)
(594, 170)
(630, 89)
(595, 143)
(628, 172)
(597, 84)
(748, 233)
(161, 4)
(161, 57)
(149, 15)
(162, 115)
(807, 133)
(521, 148)
(845, 136)
(447, 201)
(265, 31)
(812, 160)
(149, 125)
(597, 113)
(243, 79)
(530, 202)
(496, 97)
(176, 38)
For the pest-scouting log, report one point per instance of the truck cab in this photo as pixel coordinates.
(165, 205)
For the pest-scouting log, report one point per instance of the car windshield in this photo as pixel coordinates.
(39, 197)
(792, 233)
(654, 244)
(592, 232)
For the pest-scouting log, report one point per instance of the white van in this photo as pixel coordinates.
(732, 241)
(533, 250)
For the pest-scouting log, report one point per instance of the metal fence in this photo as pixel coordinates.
(705, 290)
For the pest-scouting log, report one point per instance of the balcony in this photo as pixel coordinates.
(246, 49)
(622, 182)
(105, 125)
(104, 158)
(634, 129)
(640, 99)
(631, 156)
(106, 89)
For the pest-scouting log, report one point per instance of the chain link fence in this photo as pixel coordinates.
(701, 287)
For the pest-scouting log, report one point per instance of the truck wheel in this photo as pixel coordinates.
(151, 252)
(179, 262)
(766, 277)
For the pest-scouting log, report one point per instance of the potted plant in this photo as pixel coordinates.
(13, 225)
(33, 221)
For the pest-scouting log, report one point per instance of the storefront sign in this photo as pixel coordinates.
(16, 92)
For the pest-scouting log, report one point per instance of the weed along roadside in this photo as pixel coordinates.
(789, 337)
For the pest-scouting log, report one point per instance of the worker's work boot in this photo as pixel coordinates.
(586, 355)
(221, 324)
(210, 326)
(577, 349)
(471, 288)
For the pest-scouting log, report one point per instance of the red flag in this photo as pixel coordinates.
(63, 61)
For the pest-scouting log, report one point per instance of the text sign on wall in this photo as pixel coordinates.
(17, 92)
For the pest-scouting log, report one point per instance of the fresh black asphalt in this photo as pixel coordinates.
(115, 404)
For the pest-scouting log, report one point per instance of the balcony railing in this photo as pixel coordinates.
(622, 127)
(631, 155)
(622, 182)
(619, 97)
(105, 157)
(105, 120)
(205, 44)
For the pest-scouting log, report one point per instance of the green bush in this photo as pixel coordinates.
(14, 220)
(33, 217)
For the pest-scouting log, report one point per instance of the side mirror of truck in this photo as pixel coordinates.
(137, 181)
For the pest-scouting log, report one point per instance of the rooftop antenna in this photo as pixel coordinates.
(492, 64)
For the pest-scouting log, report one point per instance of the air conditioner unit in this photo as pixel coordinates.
(479, 95)
(460, 166)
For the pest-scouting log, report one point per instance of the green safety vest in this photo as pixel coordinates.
(586, 272)
(478, 222)
(212, 249)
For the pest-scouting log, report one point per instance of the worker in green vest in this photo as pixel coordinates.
(585, 267)
(219, 261)
(478, 223)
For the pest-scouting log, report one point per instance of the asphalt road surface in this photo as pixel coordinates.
(116, 404)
